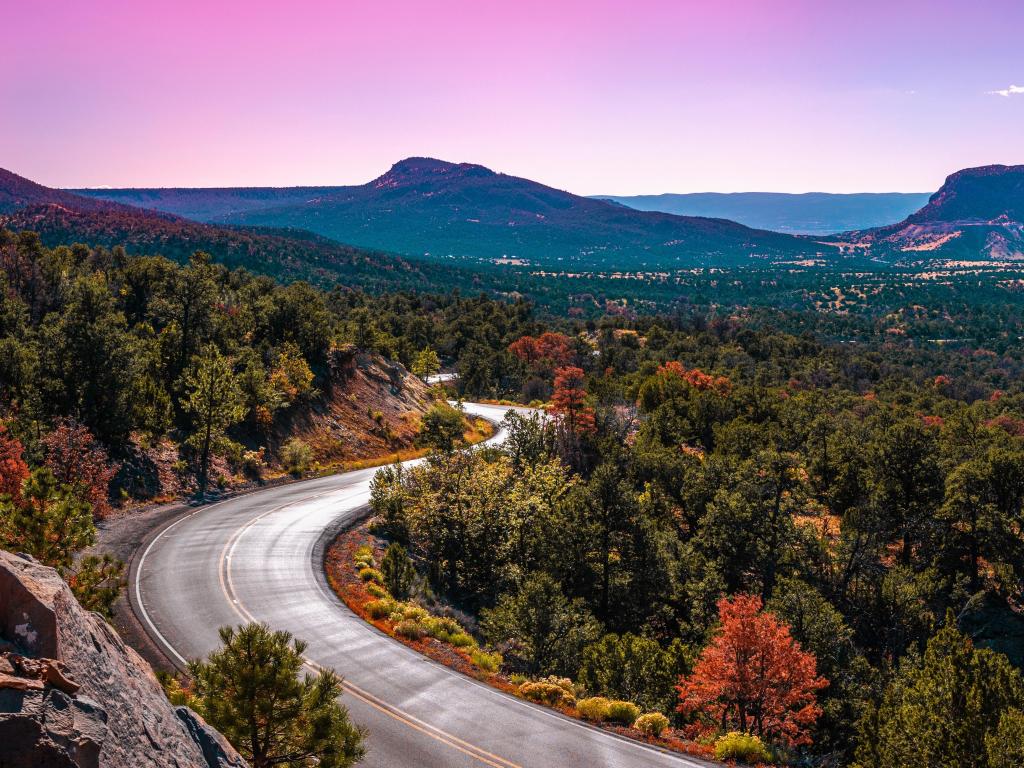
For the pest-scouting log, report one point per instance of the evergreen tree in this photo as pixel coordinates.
(398, 571)
(539, 629)
(53, 523)
(944, 709)
(214, 401)
(249, 689)
(426, 364)
(441, 427)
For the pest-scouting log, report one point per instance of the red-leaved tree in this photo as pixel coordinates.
(569, 401)
(13, 469)
(78, 460)
(696, 378)
(550, 348)
(753, 677)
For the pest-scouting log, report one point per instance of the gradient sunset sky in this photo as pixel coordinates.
(638, 96)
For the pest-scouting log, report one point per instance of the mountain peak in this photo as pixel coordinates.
(985, 193)
(414, 170)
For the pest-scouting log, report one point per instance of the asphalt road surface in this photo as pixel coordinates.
(258, 557)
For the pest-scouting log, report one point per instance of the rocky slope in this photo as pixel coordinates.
(978, 213)
(73, 695)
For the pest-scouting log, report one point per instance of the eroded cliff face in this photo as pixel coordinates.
(73, 695)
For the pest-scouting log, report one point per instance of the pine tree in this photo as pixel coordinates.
(398, 571)
(943, 710)
(249, 689)
(215, 403)
(426, 364)
(53, 523)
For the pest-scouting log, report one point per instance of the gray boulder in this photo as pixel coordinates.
(73, 695)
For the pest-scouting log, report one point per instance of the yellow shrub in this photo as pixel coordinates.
(379, 609)
(410, 628)
(413, 612)
(652, 724)
(371, 574)
(744, 747)
(489, 662)
(377, 591)
(625, 712)
(548, 693)
(594, 709)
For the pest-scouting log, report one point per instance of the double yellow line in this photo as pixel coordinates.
(227, 587)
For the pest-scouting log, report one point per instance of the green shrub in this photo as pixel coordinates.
(744, 747)
(443, 627)
(651, 724)
(371, 574)
(462, 640)
(296, 456)
(363, 550)
(625, 712)
(379, 609)
(413, 612)
(489, 662)
(377, 590)
(410, 628)
(545, 692)
(594, 709)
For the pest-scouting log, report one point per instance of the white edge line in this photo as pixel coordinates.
(489, 689)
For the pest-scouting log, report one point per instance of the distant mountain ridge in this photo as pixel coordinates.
(61, 218)
(424, 206)
(814, 213)
(207, 204)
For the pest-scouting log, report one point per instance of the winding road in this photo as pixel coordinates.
(258, 557)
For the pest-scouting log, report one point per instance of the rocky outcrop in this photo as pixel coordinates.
(73, 695)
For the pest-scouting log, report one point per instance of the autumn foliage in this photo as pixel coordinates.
(13, 469)
(78, 460)
(753, 677)
(569, 401)
(549, 348)
(696, 378)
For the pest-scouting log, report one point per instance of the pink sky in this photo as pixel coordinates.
(638, 96)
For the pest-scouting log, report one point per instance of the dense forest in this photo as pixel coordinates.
(850, 484)
(874, 508)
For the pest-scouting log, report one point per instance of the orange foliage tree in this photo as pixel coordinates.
(753, 677)
(569, 401)
(13, 469)
(696, 378)
(78, 460)
(550, 348)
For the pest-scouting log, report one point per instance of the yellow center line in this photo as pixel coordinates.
(227, 587)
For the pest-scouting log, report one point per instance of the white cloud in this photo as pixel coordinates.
(1013, 90)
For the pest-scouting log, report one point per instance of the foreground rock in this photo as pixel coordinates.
(73, 695)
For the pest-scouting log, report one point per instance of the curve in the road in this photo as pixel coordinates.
(258, 557)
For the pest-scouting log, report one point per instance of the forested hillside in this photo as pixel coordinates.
(431, 208)
(696, 481)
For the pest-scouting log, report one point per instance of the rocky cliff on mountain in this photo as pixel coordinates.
(978, 213)
(73, 695)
